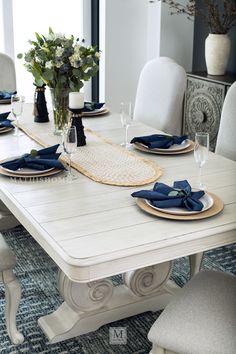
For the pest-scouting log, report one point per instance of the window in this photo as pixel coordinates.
(30, 16)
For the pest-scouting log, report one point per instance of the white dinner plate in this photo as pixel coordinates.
(172, 148)
(206, 200)
(24, 171)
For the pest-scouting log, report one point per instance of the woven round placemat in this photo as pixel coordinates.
(101, 160)
(216, 208)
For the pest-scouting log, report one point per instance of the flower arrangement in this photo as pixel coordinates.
(63, 64)
(219, 17)
(60, 62)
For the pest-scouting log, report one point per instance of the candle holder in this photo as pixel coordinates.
(76, 120)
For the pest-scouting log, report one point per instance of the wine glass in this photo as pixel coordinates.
(17, 103)
(70, 144)
(201, 149)
(126, 120)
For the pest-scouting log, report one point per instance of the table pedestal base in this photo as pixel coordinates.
(88, 306)
(66, 323)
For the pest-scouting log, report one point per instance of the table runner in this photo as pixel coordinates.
(100, 159)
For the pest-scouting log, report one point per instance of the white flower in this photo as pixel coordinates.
(59, 51)
(75, 60)
(77, 48)
(49, 64)
(54, 36)
(97, 55)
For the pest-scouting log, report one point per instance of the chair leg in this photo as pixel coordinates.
(7, 219)
(13, 296)
(195, 261)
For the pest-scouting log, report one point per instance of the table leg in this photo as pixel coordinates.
(195, 261)
(88, 306)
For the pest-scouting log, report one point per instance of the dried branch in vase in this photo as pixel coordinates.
(219, 15)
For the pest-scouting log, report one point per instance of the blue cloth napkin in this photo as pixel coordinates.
(91, 106)
(37, 160)
(4, 95)
(159, 140)
(4, 122)
(180, 195)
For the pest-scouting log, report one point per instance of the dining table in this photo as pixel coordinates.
(94, 229)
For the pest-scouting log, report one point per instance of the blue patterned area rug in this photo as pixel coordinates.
(37, 274)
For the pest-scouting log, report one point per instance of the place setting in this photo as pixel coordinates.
(5, 123)
(163, 144)
(94, 109)
(36, 163)
(5, 96)
(180, 201)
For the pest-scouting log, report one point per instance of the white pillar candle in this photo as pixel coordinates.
(76, 100)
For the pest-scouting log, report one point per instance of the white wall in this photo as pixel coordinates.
(124, 25)
(176, 37)
(153, 29)
(132, 32)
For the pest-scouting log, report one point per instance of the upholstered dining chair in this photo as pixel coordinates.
(7, 219)
(7, 73)
(159, 97)
(226, 142)
(200, 319)
(12, 290)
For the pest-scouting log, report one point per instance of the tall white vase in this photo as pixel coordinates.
(217, 50)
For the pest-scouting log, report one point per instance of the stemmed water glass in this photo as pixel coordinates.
(70, 145)
(126, 120)
(201, 150)
(17, 103)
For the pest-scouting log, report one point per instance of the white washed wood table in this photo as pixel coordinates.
(93, 231)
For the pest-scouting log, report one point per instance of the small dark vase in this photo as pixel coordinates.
(40, 106)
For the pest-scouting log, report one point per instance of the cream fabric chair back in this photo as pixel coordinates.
(159, 97)
(7, 73)
(226, 141)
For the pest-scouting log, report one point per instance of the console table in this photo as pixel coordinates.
(204, 99)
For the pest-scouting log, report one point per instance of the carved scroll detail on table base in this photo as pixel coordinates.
(88, 306)
(148, 280)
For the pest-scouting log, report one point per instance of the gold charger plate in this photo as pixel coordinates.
(40, 174)
(217, 207)
(170, 152)
(100, 112)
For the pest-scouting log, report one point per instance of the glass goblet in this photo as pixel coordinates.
(70, 145)
(201, 150)
(17, 103)
(126, 120)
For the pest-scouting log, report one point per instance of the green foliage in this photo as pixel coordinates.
(60, 62)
